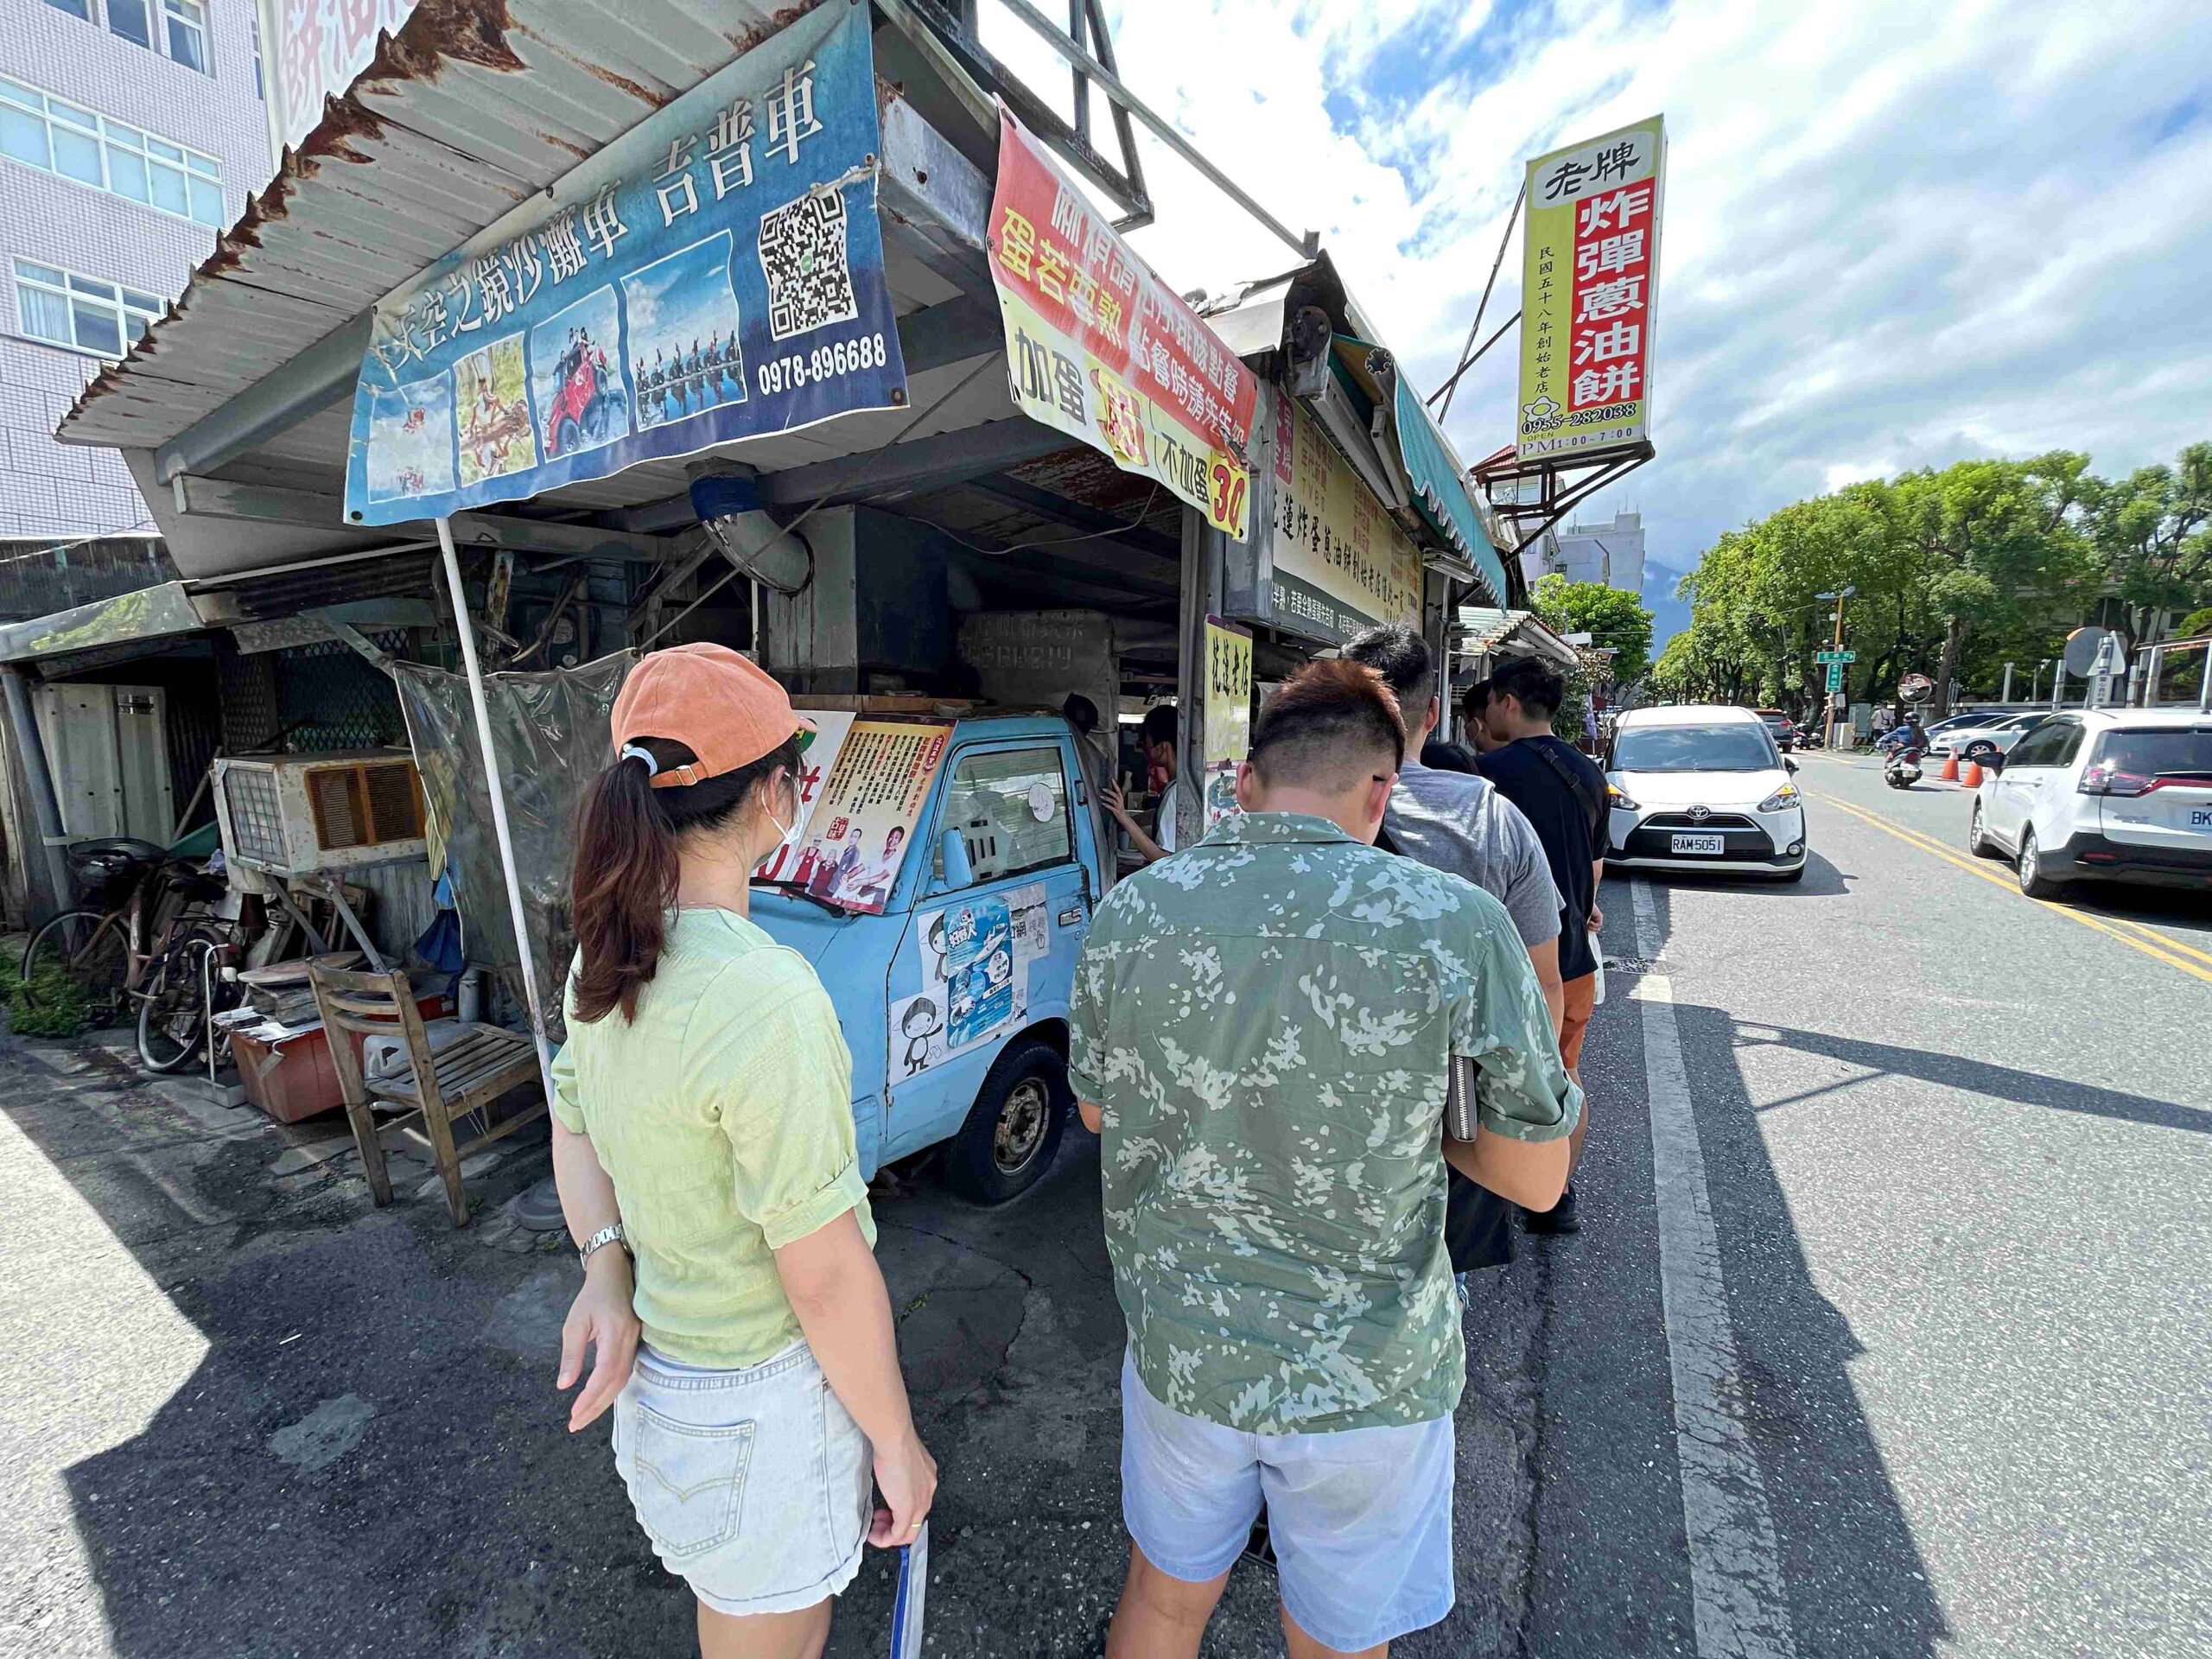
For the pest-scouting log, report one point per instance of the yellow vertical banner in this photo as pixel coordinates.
(1227, 714)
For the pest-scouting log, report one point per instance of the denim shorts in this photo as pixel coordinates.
(753, 1485)
(1361, 1519)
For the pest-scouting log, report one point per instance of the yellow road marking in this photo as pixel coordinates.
(1935, 848)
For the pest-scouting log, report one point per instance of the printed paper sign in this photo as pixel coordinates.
(714, 274)
(1591, 264)
(857, 834)
(1098, 346)
(816, 762)
(975, 962)
(1340, 563)
(1227, 714)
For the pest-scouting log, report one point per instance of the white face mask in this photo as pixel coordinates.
(789, 832)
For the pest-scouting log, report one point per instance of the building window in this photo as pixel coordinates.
(187, 30)
(60, 137)
(128, 18)
(67, 309)
(253, 32)
(75, 8)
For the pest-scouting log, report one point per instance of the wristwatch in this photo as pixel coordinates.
(610, 1234)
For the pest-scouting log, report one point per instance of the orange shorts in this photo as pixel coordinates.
(1582, 1002)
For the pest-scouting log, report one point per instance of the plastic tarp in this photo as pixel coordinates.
(550, 732)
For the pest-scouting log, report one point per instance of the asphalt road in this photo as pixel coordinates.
(1954, 1149)
(1885, 1335)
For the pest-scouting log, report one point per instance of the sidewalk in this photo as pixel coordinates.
(253, 1415)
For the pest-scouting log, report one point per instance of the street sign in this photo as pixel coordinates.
(1836, 657)
(1835, 677)
(1916, 688)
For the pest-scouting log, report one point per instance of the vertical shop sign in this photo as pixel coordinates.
(858, 832)
(1589, 269)
(1227, 714)
(1099, 348)
(1340, 561)
(321, 45)
(716, 273)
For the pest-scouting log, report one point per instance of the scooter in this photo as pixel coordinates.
(1903, 770)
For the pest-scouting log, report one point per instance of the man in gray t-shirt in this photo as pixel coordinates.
(1458, 821)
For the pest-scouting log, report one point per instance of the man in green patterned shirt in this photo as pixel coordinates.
(1262, 1029)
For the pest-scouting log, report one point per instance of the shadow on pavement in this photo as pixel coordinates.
(1822, 880)
(1853, 1576)
(1979, 1077)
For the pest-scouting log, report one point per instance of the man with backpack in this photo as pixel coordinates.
(1562, 793)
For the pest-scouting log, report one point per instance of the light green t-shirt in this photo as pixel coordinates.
(724, 1116)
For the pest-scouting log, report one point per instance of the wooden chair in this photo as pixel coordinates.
(468, 1075)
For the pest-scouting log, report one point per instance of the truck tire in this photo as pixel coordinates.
(1013, 1129)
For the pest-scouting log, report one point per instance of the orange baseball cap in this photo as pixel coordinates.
(719, 704)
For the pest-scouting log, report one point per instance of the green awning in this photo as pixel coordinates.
(1440, 488)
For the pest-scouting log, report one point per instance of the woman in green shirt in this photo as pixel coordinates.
(702, 1122)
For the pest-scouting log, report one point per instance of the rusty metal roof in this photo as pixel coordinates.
(471, 108)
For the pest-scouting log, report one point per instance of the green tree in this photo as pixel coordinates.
(2152, 534)
(1614, 620)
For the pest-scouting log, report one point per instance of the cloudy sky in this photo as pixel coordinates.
(1895, 234)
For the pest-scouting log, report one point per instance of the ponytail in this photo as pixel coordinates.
(624, 882)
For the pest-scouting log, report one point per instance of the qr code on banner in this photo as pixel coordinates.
(803, 257)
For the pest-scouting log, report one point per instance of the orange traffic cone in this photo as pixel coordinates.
(1972, 778)
(1950, 773)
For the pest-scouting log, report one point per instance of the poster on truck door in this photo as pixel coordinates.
(818, 759)
(716, 273)
(1098, 346)
(975, 962)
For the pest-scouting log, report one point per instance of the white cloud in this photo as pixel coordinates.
(1896, 235)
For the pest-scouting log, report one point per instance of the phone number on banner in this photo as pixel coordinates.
(823, 363)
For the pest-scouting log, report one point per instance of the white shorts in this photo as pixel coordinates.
(753, 1485)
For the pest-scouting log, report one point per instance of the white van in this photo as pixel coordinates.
(1702, 786)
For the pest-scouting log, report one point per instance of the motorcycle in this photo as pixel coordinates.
(1902, 769)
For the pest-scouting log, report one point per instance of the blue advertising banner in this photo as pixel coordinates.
(716, 273)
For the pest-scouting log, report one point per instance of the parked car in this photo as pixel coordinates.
(1780, 725)
(955, 998)
(2116, 794)
(1978, 742)
(1702, 786)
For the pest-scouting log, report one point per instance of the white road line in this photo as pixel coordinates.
(1737, 1605)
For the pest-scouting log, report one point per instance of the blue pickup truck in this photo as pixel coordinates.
(950, 952)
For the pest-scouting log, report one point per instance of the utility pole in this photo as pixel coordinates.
(1837, 700)
(2005, 695)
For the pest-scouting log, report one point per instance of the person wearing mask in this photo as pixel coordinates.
(704, 1150)
(1177, 819)
(1561, 791)
(1261, 1032)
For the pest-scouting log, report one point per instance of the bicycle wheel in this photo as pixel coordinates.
(172, 1012)
(80, 956)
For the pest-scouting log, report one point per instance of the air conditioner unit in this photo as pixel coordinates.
(295, 814)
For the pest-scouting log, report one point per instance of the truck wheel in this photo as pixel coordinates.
(1013, 1129)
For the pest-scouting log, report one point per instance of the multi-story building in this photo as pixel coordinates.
(130, 131)
(1611, 554)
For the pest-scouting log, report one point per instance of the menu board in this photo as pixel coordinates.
(857, 834)
(1340, 561)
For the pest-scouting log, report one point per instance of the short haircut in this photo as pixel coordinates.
(1160, 724)
(1534, 686)
(1328, 726)
(1474, 702)
(1407, 666)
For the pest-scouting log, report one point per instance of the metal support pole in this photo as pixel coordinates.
(1200, 557)
(497, 789)
(46, 806)
(2205, 686)
(2005, 695)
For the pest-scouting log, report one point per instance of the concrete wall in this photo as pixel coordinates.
(46, 489)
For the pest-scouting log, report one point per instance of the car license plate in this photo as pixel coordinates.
(1708, 844)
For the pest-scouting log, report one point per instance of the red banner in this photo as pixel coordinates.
(1099, 346)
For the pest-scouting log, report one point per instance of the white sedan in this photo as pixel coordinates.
(1702, 787)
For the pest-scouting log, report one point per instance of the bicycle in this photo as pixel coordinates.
(156, 941)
